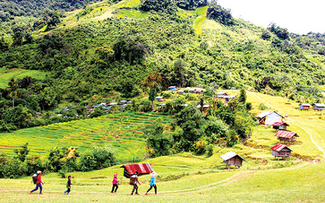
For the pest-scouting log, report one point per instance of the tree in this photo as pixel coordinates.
(152, 96)
(22, 152)
(158, 141)
(242, 96)
(13, 90)
(191, 120)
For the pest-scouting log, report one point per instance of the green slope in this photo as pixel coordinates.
(124, 131)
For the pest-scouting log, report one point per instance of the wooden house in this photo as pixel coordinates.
(280, 125)
(304, 106)
(269, 118)
(280, 150)
(286, 136)
(231, 158)
(318, 107)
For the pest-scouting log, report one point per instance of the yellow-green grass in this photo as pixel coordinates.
(211, 25)
(6, 74)
(293, 184)
(130, 3)
(98, 9)
(307, 124)
(132, 14)
(124, 131)
(198, 22)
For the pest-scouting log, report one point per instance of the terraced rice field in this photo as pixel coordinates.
(124, 131)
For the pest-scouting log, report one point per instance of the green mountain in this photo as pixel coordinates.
(110, 48)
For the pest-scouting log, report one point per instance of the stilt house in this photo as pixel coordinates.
(231, 158)
(280, 150)
(280, 125)
(286, 136)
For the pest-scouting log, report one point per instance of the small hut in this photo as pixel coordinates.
(205, 107)
(304, 106)
(143, 169)
(319, 107)
(181, 92)
(269, 117)
(191, 90)
(160, 99)
(221, 95)
(280, 125)
(280, 150)
(286, 136)
(172, 88)
(231, 158)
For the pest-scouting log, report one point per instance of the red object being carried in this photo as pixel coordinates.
(143, 169)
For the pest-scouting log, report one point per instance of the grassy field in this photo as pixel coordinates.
(183, 177)
(292, 184)
(124, 131)
(132, 14)
(6, 74)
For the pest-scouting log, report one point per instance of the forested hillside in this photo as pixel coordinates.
(110, 48)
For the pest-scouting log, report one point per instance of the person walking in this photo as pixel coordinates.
(153, 183)
(115, 183)
(38, 183)
(135, 183)
(68, 186)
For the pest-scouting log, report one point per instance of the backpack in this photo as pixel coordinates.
(133, 179)
(34, 178)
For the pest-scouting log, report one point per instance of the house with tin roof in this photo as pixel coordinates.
(286, 136)
(280, 150)
(304, 106)
(269, 118)
(318, 107)
(231, 158)
(280, 125)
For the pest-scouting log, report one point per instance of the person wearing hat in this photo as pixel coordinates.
(115, 183)
(153, 183)
(38, 183)
(136, 181)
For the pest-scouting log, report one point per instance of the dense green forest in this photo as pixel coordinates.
(104, 60)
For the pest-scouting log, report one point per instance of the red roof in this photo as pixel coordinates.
(279, 147)
(141, 168)
(279, 123)
(286, 134)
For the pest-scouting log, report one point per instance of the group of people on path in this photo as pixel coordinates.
(135, 181)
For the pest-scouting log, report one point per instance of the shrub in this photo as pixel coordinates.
(97, 158)
(262, 106)
(209, 149)
(200, 147)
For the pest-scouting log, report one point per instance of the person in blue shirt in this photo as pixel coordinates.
(153, 183)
